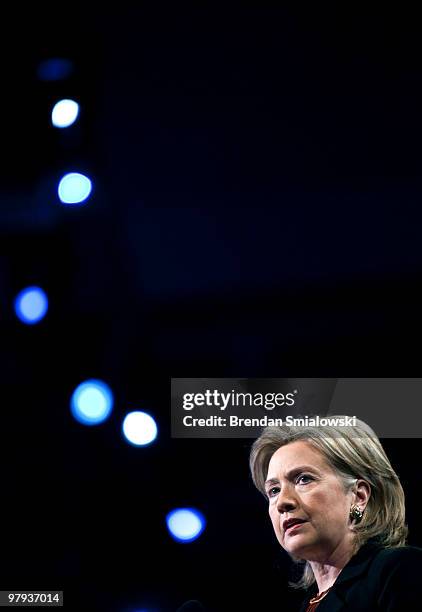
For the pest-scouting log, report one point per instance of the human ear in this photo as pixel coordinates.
(362, 493)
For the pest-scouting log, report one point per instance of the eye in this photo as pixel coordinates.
(273, 492)
(303, 479)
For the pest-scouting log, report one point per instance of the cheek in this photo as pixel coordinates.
(329, 506)
(317, 500)
(275, 519)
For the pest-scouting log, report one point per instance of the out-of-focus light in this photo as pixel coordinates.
(74, 188)
(91, 402)
(139, 428)
(54, 69)
(64, 113)
(31, 305)
(185, 524)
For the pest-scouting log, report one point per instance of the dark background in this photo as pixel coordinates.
(256, 212)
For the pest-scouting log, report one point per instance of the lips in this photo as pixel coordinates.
(292, 521)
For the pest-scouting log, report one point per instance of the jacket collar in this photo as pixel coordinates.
(354, 568)
(359, 562)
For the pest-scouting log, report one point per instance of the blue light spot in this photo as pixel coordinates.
(139, 428)
(31, 305)
(185, 524)
(74, 188)
(64, 113)
(91, 402)
(54, 69)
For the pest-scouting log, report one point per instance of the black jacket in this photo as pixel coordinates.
(376, 578)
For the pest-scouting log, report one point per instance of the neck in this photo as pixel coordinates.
(327, 570)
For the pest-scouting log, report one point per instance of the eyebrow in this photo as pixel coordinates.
(292, 472)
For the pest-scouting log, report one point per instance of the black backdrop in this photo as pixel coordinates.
(256, 212)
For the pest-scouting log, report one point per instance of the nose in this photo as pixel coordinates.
(286, 501)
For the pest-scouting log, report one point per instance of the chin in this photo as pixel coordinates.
(299, 550)
(296, 551)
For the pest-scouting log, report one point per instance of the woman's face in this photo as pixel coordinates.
(301, 485)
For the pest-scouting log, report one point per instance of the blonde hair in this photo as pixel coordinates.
(353, 452)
